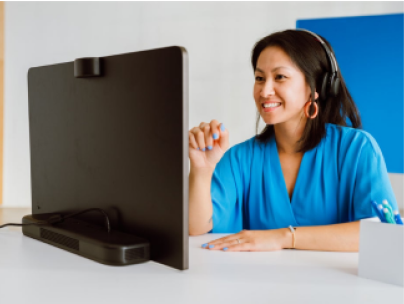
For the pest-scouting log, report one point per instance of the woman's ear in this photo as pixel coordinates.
(315, 96)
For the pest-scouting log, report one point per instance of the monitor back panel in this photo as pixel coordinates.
(117, 142)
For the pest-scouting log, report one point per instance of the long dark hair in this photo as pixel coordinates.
(310, 57)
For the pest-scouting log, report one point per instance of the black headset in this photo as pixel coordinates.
(331, 82)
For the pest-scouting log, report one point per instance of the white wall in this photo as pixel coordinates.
(218, 36)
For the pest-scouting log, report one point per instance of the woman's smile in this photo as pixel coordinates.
(270, 106)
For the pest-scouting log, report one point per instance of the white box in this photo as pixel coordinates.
(381, 251)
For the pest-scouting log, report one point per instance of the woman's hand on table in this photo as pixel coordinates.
(253, 240)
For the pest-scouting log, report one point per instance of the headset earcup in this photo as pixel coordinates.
(323, 92)
(335, 86)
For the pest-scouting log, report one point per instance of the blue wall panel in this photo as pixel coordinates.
(369, 50)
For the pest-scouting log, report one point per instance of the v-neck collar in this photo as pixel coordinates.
(279, 172)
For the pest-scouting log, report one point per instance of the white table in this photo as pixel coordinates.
(34, 272)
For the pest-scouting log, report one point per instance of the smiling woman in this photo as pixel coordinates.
(313, 61)
(308, 169)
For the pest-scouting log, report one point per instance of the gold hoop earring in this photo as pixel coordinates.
(307, 107)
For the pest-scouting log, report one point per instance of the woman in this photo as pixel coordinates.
(308, 169)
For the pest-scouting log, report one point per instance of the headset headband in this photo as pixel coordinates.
(330, 55)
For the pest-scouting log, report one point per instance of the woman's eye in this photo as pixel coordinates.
(258, 78)
(280, 76)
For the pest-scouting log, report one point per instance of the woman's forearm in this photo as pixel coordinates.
(200, 202)
(337, 237)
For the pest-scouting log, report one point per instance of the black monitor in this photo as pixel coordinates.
(112, 133)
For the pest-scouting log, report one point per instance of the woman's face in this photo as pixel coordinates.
(280, 89)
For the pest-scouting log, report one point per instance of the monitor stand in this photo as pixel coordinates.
(88, 240)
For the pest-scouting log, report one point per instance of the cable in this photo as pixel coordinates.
(57, 218)
(20, 225)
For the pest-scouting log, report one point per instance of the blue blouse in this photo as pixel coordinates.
(336, 183)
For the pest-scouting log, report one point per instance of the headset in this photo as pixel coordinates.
(331, 82)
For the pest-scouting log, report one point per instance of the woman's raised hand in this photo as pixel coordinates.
(207, 144)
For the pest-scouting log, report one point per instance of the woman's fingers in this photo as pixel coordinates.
(202, 124)
(220, 133)
(215, 129)
(200, 138)
(239, 247)
(204, 136)
(192, 141)
(226, 242)
(224, 137)
(208, 137)
(230, 246)
(208, 142)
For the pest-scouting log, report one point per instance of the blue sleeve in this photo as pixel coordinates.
(226, 193)
(372, 182)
